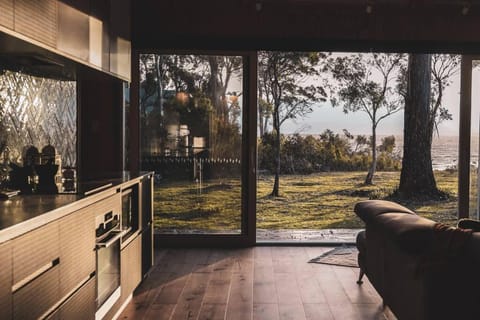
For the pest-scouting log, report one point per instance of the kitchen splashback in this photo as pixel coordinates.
(37, 111)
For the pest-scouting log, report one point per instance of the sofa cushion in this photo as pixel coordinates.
(367, 210)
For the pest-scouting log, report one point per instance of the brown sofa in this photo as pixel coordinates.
(421, 269)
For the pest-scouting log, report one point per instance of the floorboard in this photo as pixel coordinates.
(271, 283)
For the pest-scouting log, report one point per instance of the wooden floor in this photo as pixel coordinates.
(255, 283)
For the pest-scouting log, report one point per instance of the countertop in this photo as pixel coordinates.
(23, 213)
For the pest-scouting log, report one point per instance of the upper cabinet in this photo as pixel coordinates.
(73, 31)
(120, 38)
(37, 20)
(92, 32)
(6, 13)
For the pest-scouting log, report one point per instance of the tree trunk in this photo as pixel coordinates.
(265, 124)
(373, 165)
(417, 179)
(260, 122)
(276, 150)
(159, 74)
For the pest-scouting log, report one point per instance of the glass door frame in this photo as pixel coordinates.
(247, 237)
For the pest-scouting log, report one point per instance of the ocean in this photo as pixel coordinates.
(444, 151)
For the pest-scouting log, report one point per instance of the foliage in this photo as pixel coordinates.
(366, 83)
(284, 88)
(326, 152)
(443, 68)
(191, 90)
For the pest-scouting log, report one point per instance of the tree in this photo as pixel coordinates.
(192, 89)
(441, 67)
(286, 79)
(416, 178)
(366, 83)
(388, 144)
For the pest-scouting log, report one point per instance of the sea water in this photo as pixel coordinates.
(444, 151)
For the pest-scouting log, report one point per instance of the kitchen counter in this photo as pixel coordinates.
(23, 213)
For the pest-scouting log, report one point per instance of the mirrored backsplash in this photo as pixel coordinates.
(36, 112)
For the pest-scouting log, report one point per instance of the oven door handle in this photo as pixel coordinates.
(111, 241)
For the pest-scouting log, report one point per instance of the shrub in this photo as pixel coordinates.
(326, 152)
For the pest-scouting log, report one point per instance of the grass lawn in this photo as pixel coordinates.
(322, 200)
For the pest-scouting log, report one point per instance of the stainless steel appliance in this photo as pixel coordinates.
(108, 234)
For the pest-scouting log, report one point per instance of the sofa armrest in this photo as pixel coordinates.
(369, 209)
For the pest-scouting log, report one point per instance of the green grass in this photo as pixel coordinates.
(322, 200)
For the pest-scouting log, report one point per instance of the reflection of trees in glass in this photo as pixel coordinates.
(191, 90)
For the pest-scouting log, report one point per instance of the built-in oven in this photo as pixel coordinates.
(108, 234)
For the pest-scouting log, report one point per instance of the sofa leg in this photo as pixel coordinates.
(360, 276)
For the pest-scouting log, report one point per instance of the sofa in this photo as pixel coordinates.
(420, 268)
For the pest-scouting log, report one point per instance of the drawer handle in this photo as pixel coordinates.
(112, 240)
(22, 283)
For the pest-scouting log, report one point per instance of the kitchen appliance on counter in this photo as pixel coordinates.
(108, 235)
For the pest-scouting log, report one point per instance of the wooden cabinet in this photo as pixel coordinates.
(34, 251)
(73, 31)
(35, 260)
(77, 244)
(49, 270)
(147, 224)
(37, 19)
(80, 306)
(131, 266)
(36, 298)
(6, 13)
(93, 32)
(6, 280)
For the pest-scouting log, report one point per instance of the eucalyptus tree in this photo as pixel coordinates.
(289, 84)
(367, 82)
(423, 85)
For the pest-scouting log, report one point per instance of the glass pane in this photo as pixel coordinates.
(340, 116)
(191, 118)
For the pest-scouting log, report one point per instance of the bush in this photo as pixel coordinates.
(326, 152)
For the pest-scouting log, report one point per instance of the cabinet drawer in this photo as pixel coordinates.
(34, 250)
(37, 297)
(77, 244)
(81, 306)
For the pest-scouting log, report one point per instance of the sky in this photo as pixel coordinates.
(325, 116)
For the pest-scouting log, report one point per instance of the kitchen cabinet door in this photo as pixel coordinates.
(77, 244)
(6, 13)
(6, 280)
(131, 266)
(37, 20)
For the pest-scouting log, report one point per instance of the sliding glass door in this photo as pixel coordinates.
(193, 119)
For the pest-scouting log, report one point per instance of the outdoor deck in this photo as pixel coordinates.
(254, 283)
(307, 235)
